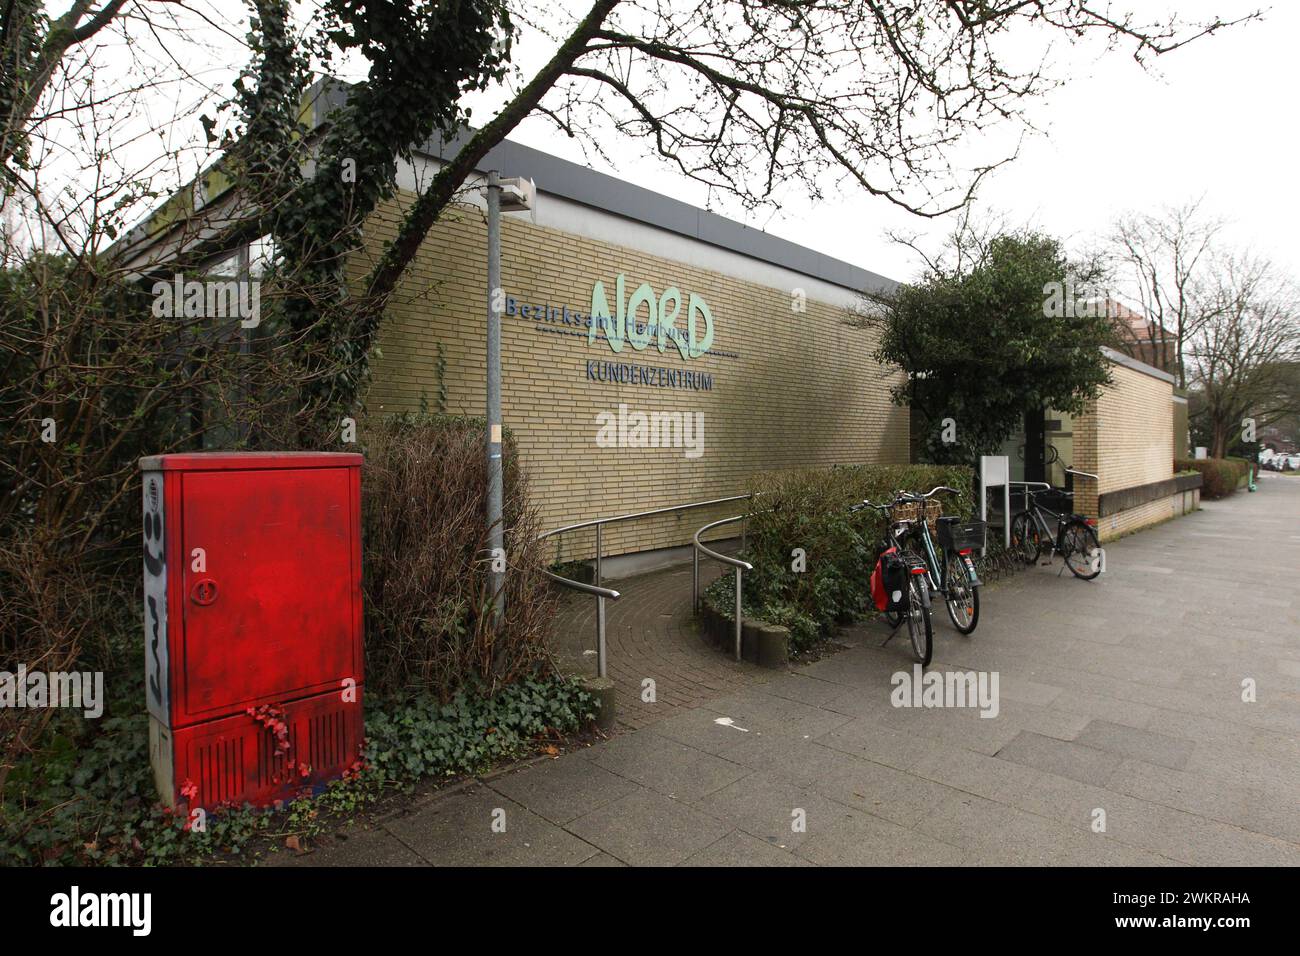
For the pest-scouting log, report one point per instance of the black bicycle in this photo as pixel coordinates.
(1075, 538)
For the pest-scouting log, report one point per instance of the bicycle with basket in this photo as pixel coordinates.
(925, 552)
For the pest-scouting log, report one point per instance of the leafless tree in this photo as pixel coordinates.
(31, 50)
(1165, 258)
(1241, 360)
(756, 99)
(752, 96)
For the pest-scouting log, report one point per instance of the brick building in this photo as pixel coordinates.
(1128, 438)
(754, 346)
(730, 341)
(1144, 339)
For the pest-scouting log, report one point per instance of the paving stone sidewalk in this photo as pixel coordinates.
(1123, 695)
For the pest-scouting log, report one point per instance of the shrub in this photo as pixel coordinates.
(424, 495)
(446, 693)
(424, 737)
(808, 509)
(93, 379)
(1220, 476)
(1248, 469)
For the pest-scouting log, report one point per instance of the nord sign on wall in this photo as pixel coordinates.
(660, 325)
(639, 321)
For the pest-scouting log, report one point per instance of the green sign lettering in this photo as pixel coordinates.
(622, 323)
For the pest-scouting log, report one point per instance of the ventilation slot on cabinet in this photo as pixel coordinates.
(272, 766)
(327, 740)
(221, 770)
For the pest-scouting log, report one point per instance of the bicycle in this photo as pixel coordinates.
(950, 568)
(953, 576)
(1075, 539)
(917, 613)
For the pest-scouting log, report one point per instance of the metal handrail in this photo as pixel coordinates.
(740, 566)
(724, 558)
(642, 514)
(603, 593)
(582, 586)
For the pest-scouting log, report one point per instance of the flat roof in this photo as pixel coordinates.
(1128, 361)
(579, 184)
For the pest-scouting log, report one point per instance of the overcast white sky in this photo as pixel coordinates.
(1215, 119)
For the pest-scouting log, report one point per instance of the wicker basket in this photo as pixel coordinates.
(911, 511)
(933, 509)
(905, 511)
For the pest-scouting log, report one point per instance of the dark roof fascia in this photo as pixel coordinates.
(596, 190)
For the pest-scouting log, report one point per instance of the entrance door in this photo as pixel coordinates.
(1035, 447)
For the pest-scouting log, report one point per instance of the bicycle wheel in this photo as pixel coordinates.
(962, 599)
(1079, 547)
(918, 622)
(1025, 540)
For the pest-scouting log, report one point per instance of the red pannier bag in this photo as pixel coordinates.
(889, 582)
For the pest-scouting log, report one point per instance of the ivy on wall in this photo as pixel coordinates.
(314, 212)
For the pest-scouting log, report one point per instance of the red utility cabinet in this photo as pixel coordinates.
(252, 623)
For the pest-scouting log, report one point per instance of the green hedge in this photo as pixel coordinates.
(808, 509)
(1249, 469)
(1220, 476)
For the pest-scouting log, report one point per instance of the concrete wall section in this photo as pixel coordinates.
(1148, 514)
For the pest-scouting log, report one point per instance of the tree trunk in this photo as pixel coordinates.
(1219, 440)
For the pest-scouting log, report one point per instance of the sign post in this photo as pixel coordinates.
(996, 470)
(507, 195)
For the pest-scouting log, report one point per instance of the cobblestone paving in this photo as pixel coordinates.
(651, 634)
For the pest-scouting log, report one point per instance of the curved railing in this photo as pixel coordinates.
(603, 593)
(740, 567)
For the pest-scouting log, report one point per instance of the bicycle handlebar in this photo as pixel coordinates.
(900, 496)
(908, 496)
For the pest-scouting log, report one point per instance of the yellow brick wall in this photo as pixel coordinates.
(801, 391)
(1125, 437)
